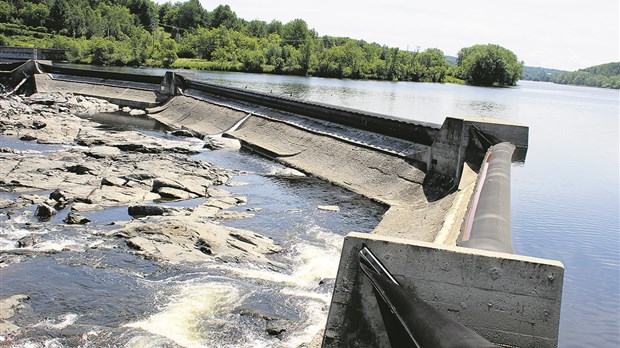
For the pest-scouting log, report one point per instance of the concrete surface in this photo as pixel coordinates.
(508, 299)
(118, 95)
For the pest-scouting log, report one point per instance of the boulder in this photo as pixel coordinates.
(58, 195)
(176, 194)
(150, 210)
(275, 327)
(27, 137)
(27, 241)
(36, 124)
(74, 218)
(44, 212)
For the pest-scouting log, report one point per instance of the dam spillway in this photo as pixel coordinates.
(425, 173)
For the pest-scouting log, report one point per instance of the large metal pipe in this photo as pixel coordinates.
(409, 320)
(488, 223)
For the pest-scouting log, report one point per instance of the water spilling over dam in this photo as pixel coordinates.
(425, 174)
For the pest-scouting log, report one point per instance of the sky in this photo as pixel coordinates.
(560, 34)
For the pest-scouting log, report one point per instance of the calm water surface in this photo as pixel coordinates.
(565, 198)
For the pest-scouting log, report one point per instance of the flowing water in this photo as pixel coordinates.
(87, 289)
(565, 206)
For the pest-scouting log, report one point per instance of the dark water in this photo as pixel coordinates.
(87, 289)
(565, 198)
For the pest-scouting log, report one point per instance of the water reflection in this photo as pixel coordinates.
(483, 108)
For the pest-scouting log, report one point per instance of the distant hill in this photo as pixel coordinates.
(533, 73)
(604, 75)
(609, 69)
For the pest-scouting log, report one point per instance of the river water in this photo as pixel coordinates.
(565, 206)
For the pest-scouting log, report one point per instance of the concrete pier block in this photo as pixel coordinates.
(508, 299)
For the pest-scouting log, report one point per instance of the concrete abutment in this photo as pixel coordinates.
(427, 174)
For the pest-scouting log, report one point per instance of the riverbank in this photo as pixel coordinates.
(92, 170)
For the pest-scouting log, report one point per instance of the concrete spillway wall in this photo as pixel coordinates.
(425, 173)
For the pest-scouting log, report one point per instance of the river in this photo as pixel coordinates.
(565, 197)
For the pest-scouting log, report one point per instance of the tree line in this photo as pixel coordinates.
(604, 75)
(185, 35)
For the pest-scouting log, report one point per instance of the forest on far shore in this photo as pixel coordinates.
(603, 75)
(185, 35)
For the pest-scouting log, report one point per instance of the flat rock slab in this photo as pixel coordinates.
(178, 239)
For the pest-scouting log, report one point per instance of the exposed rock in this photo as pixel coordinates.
(81, 169)
(27, 137)
(113, 181)
(172, 193)
(74, 218)
(204, 211)
(26, 242)
(241, 200)
(59, 196)
(179, 239)
(275, 327)
(103, 151)
(82, 207)
(36, 124)
(44, 212)
(186, 133)
(150, 210)
(196, 186)
(221, 202)
(213, 192)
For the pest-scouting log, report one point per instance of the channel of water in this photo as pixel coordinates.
(87, 288)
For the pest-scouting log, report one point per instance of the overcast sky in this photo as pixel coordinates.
(562, 34)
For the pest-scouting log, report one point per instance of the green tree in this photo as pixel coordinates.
(489, 65)
(295, 32)
(6, 11)
(58, 13)
(190, 15)
(224, 16)
(145, 12)
(33, 14)
(256, 28)
(117, 21)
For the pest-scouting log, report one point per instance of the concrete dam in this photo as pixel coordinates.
(445, 238)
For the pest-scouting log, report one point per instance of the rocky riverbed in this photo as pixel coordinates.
(94, 169)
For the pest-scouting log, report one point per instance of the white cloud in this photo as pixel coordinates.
(565, 34)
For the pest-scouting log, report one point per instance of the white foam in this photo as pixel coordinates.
(9, 235)
(62, 322)
(286, 172)
(195, 306)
